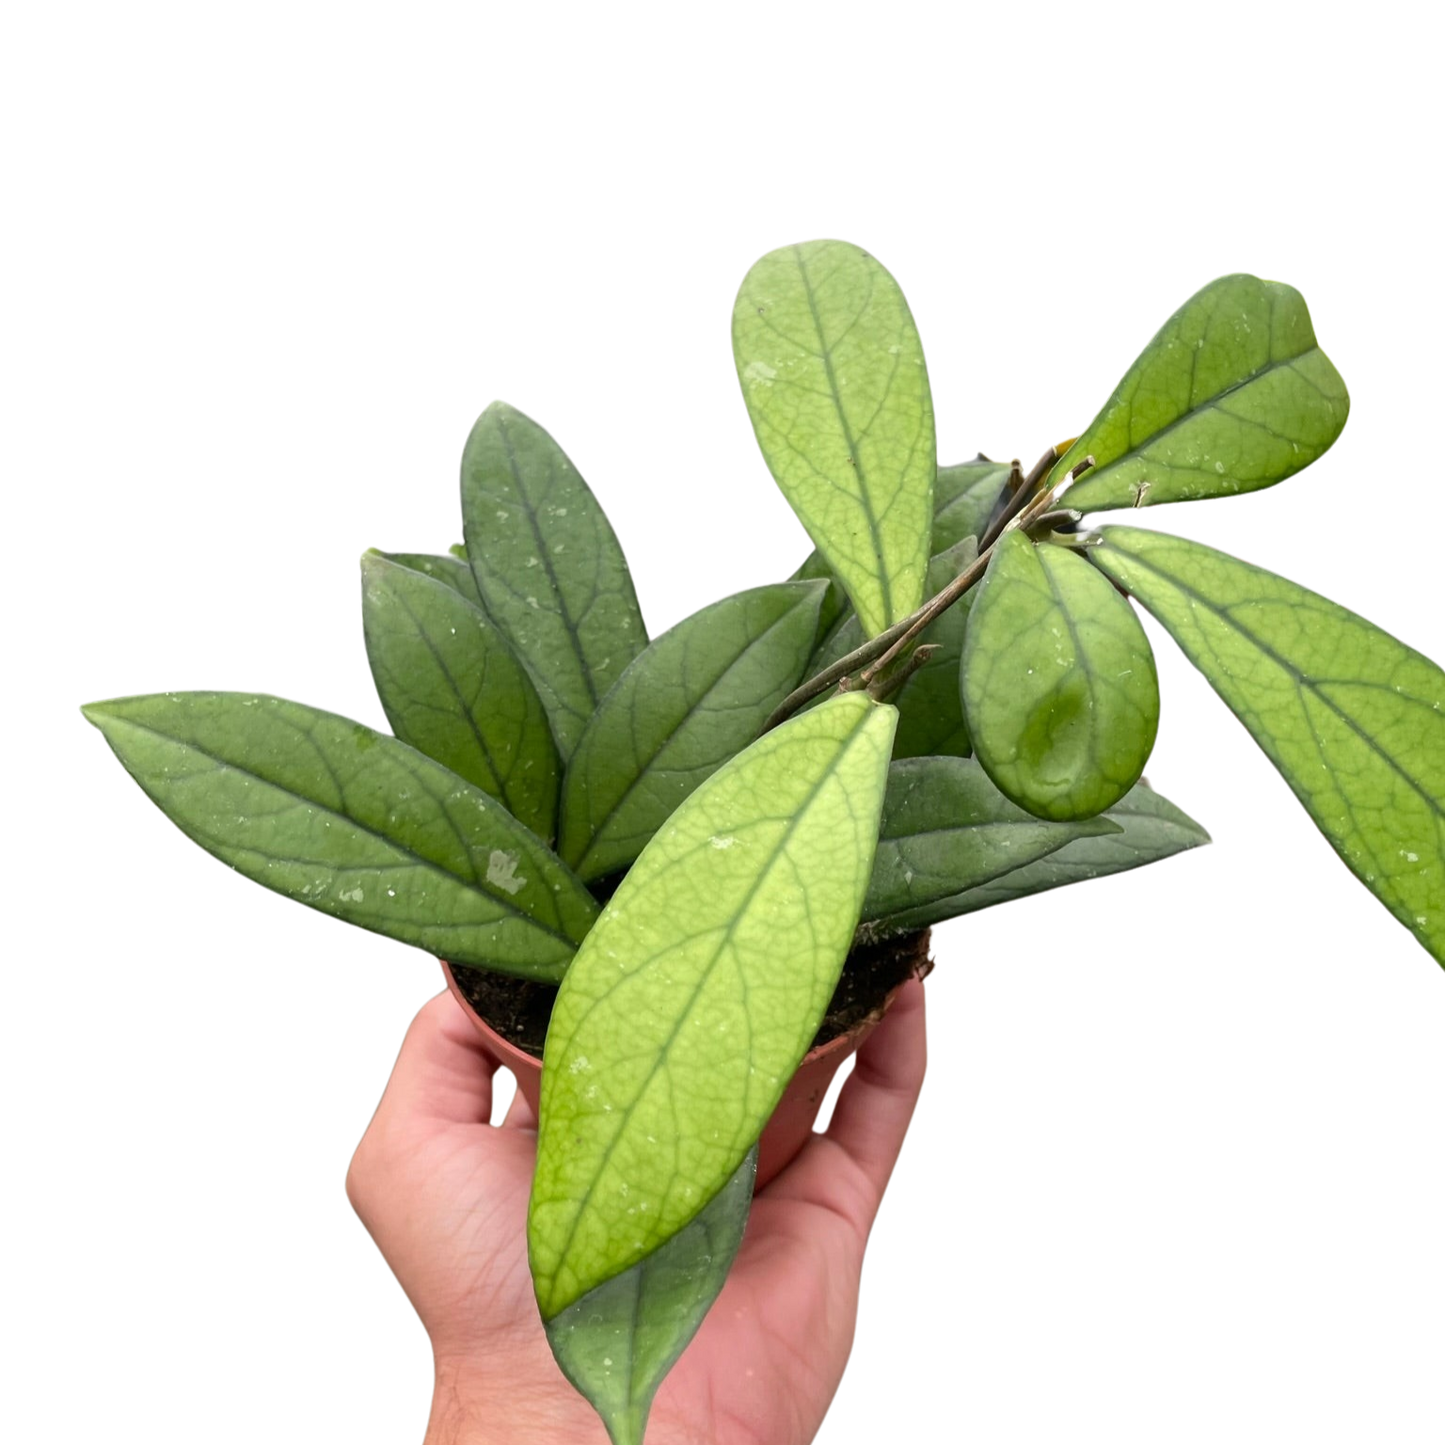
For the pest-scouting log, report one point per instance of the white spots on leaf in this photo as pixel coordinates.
(1219, 467)
(353, 895)
(759, 373)
(579, 1065)
(502, 871)
(723, 842)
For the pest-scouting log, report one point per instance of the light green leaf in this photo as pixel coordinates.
(548, 567)
(689, 702)
(1059, 687)
(353, 823)
(619, 1340)
(833, 375)
(930, 711)
(698, 991)
(1233, 394)
(1150, 828)
(1354, 719)
(945, 828)
(963, 500)
(455, 691)
(453, 571)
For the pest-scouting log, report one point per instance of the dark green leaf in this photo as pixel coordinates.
(930, 711)
(1233, 394)
(354, 823)
(835, 602)
(548, 567)
(455, 691)
(1151, 828)
(451, 570)
(946, 828)
(963, 498)
(1354, 719)
(689, 702)
(618, 1341)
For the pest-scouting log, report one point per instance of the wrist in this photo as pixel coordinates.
(505, 1409)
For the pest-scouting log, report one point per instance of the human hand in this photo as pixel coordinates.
(443, 1193)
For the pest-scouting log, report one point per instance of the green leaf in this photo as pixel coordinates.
(963, 500)
(689, 702)
(930, 711)
(1354, 719)
(698, 991)
(946, 827)
(619, 1340)
(1232, 395)
(353, 823)
(455, 691)
(548, 567)
(1150, 828)
(835, 606)
(452, 571)
(1059, 687)
(833, 375)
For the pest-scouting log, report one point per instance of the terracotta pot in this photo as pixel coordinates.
(792, 1122)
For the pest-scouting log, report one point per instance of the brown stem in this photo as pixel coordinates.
(1019, 500)
(888, 646)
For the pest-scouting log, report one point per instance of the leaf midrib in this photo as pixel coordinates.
(825, 355)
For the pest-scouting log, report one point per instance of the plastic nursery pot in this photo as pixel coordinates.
(792, 1122)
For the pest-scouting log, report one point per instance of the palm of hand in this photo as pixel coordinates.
(444, 1194)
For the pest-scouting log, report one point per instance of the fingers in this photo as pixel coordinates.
(443, 1073)
(876, 1104)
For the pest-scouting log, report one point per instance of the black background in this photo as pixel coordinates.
(1135, 1085)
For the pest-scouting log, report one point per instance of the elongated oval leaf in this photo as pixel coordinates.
(946, 828)
(1059, 687)
(687, 703)
(454, 690)
(833, 375)
(1149, 828)
(699, 990)
(619, 1340)
(353, 823)
(1232, 395)
(1353, 718)
(548, 566)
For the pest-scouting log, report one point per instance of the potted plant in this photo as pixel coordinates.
(670, 856)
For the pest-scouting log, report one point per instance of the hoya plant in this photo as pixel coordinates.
(687, 846)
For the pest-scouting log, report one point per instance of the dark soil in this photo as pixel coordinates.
(519, 1010)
